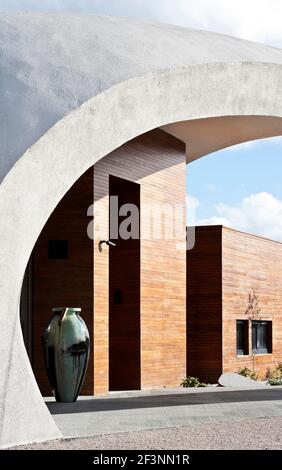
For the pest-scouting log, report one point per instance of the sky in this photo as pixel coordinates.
(239, 187)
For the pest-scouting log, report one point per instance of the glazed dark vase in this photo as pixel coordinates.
(66, 348)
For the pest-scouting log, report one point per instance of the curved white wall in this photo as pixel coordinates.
(42, 176)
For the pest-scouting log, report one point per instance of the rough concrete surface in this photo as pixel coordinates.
(52, 63)
(212, 418)
(253, 433)
(67, 109)
(138, 411)
(232, 379)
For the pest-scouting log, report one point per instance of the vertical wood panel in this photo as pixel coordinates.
(157, 162)
(204, 305)
(101, 284)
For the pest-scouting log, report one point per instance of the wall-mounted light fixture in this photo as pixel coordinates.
(107, 242)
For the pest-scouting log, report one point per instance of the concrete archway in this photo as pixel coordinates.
(224, 92)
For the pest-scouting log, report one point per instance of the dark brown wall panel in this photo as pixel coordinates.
(64, 282)
(204, 305)
(124, 297)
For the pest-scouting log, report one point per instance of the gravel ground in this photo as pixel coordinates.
(255, 433)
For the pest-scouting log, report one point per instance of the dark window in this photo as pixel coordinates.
(117, 296)
(58, 249)
(261, 337)
(242, 337)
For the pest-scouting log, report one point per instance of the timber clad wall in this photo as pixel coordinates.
(222, 270)
(134, 297)
(156, 161)
(60, 282)
(251, 263)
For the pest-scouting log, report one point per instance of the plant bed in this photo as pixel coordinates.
(192, 382)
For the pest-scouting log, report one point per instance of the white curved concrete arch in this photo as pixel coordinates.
(43, 174)
(52, 63)
(204, 136)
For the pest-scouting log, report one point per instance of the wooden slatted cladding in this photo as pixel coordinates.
(64, 280)
(156, 161)
(224, 269)
(252, 265)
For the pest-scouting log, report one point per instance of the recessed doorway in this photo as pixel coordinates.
(124, 293)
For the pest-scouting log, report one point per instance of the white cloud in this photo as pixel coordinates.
(259, 213)
(258, 20)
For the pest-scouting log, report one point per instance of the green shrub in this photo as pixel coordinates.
(271, 374)
(274, 376)
(275, 381)
(245, 372)
(192, 382)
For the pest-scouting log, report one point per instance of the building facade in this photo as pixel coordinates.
(102, 83)
(234, 303)
(133, 294)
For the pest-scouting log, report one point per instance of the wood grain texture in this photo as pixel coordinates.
(251, 263)
(222, 270)
(64, 282)
(156, 161)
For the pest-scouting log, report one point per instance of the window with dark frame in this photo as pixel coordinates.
(242, 338)
(261, 337)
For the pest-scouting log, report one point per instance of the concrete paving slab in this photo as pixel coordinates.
(232, 379)
(157, 409)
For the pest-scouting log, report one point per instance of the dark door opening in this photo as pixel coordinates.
(124, 296)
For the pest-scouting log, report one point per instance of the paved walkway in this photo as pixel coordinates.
(138, 411)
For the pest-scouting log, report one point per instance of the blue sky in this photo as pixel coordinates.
(240, 186)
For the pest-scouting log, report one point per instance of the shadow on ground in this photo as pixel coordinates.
(177, 399)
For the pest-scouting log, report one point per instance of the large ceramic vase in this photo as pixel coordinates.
(66, 348)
